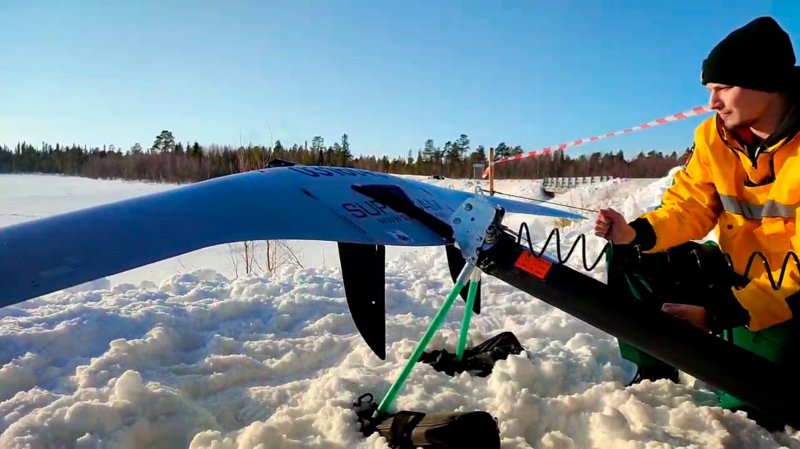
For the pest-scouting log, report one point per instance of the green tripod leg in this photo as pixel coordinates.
(473, 291)
(465, 274)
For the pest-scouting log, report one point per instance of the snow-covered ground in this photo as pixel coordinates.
(191, 353)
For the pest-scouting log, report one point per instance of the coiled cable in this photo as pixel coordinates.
(523, 234)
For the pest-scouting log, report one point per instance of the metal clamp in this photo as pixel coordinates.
(473, 224)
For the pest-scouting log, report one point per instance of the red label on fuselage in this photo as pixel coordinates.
(534, 265)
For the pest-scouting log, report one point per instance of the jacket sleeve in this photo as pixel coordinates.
(689, 207)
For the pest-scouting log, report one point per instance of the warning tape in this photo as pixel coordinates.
(661, 121)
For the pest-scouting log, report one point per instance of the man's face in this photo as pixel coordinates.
(738, 106)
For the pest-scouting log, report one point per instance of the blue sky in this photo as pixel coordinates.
(389, 74)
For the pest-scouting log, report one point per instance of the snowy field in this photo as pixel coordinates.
(192, 353)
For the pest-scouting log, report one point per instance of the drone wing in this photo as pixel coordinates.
(49, 254)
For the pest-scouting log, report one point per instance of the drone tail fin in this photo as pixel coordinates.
(363, 274)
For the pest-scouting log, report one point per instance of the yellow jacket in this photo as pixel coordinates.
(752, 207)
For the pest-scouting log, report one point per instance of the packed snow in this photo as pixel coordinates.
(193, 353)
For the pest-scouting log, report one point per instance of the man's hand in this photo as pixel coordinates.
(693, 314)
(611, 225)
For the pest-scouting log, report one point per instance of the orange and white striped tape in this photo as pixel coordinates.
(661, 121)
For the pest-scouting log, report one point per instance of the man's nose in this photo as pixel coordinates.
(714, 102)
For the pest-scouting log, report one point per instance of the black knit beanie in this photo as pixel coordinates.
(756, 56)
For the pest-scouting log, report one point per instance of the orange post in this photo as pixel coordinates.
(491, 171)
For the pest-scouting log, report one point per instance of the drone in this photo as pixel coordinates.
(364, 211)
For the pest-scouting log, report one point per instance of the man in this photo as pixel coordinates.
(741, 179)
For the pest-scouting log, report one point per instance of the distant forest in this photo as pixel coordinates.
(169, 160)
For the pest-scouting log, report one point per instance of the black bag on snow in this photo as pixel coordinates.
(411, 430)
(478, 360)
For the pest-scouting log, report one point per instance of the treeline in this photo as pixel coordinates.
(169, 160)
(652, 164)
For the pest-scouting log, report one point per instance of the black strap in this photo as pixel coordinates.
(394, 197)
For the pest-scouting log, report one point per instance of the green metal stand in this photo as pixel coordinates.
(463, 277)
(462, 336)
